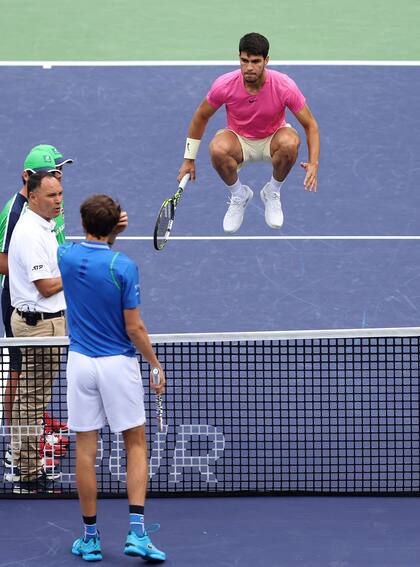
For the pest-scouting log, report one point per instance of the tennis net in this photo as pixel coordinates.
(315, 412)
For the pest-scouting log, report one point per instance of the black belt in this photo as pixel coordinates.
(35, 316)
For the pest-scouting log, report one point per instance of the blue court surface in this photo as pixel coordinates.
(225, 532)
(125, 127)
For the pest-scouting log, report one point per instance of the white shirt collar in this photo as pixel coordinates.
(45, 224)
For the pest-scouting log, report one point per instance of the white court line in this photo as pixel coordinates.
(346, 237)
(50, 64)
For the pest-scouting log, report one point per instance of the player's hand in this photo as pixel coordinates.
(188, 166)
(122, 223)
(158, 388)
(311, 177)
(121, 226)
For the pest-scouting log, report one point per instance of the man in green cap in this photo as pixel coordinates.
(31, 165)
(43, 157)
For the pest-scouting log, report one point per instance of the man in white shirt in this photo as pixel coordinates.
(39, 309)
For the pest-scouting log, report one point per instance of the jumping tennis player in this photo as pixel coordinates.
(256, 99)
(102, 293)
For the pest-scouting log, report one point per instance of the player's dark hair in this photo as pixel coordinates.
(254, 44)
(35, 180)
(100, 215)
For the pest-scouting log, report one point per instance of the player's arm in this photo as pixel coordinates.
(310, 126)
(195, 132)
(49, 286)
(137, 332)
(4, 267)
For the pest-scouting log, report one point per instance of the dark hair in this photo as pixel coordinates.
(100, 215)
(35, 180)
(254, 44)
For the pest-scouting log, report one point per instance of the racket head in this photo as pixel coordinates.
(163, 224)
(165, 218)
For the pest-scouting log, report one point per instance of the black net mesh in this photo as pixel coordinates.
(332, 415)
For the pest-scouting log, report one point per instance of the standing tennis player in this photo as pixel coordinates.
(256, 99)
(104, 384)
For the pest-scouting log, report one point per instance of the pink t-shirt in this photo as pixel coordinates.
(256, 116)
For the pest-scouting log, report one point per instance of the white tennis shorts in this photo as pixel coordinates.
(104, 389)
(254, 150)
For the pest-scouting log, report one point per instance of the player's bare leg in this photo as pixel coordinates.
(136, 449)
(226, 156)
(88, 546)
(86, 446)
(138, 542)
(284, 151)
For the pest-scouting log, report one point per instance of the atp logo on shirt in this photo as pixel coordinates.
(37, 267)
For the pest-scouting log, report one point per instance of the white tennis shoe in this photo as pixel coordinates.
(273, 212)
(235, 213)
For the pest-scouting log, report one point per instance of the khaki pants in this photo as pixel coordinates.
(34, 389)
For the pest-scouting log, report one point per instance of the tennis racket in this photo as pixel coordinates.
(166, 216)
(159, 403)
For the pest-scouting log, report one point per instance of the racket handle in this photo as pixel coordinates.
(184, 181)
(159, 404)
(155, 374)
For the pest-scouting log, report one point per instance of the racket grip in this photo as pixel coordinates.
(184, 181)
(155, 374)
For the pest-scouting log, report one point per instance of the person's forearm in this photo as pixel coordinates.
(49, 286)
(140, 338)
(197, 126)
(313, 141)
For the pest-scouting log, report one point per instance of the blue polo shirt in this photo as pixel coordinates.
(98, 285)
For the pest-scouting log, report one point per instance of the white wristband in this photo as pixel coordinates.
(191, 148)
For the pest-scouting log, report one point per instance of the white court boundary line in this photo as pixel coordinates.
(159, 63)
(285, 237)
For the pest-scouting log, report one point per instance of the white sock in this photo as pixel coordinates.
(237, 189)
(274, 186)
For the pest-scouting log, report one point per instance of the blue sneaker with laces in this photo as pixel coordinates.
(89, 550)
(141, 546)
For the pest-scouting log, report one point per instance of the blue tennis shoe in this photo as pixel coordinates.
(141, 546)
(89, 550)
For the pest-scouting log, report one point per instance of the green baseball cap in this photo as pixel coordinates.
(39, 160)
(58, 156)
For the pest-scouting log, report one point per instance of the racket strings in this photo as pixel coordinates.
(166, 215)
(165, 221)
